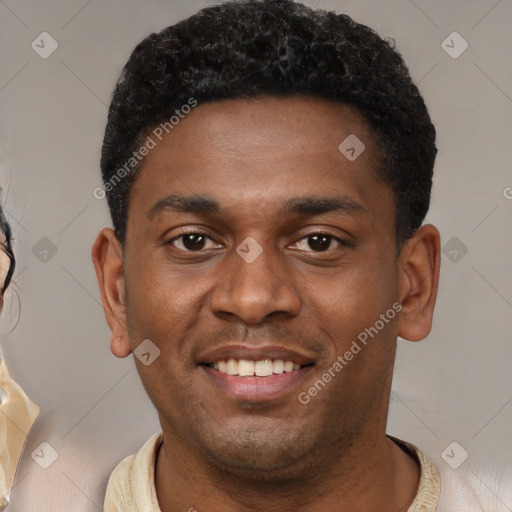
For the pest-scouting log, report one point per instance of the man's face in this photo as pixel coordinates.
(268, 169)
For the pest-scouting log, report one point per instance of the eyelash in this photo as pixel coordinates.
(341, 241)
(189, 232)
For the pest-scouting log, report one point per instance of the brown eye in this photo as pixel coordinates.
(319, 243)
(193, 242)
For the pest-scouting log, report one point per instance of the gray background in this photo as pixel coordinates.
(454, 386)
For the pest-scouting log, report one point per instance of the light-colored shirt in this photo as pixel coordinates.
(131, 487)
(17, 415)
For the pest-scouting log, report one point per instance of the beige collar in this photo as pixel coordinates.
(131, 487)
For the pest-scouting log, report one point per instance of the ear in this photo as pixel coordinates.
(107, 256)
(419, 260)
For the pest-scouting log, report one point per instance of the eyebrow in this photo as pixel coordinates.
(297, 205)
(320, 205)
(184, 204)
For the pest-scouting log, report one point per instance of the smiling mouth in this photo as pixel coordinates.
(260, 368)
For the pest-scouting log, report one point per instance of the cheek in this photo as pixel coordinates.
(358, 291)
(163, 311)
(157, 299)
(346, 305)
(347, 310)
(165, 308)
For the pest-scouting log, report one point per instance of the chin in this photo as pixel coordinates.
(256, 453)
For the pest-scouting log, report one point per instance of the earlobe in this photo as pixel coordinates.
(120, 346)
(419, 276)
(107, 256)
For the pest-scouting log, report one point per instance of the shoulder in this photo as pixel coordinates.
(464, 490)
(452, 490)
(131, 486)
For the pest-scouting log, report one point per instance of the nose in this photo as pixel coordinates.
(253, 291)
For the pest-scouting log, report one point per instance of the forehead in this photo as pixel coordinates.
(263, 151)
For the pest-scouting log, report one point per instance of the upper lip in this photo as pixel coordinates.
(253, 353)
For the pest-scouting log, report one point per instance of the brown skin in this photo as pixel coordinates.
(221, 453)
(5, 263)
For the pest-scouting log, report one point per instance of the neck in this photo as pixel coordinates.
(369, 473)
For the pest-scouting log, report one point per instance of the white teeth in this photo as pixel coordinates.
(262, 368)
(231, 367)
(278, 366)
(245, 368)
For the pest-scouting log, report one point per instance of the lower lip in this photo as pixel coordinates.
(257, 389)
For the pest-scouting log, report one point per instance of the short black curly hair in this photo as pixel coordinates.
(244, 49)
